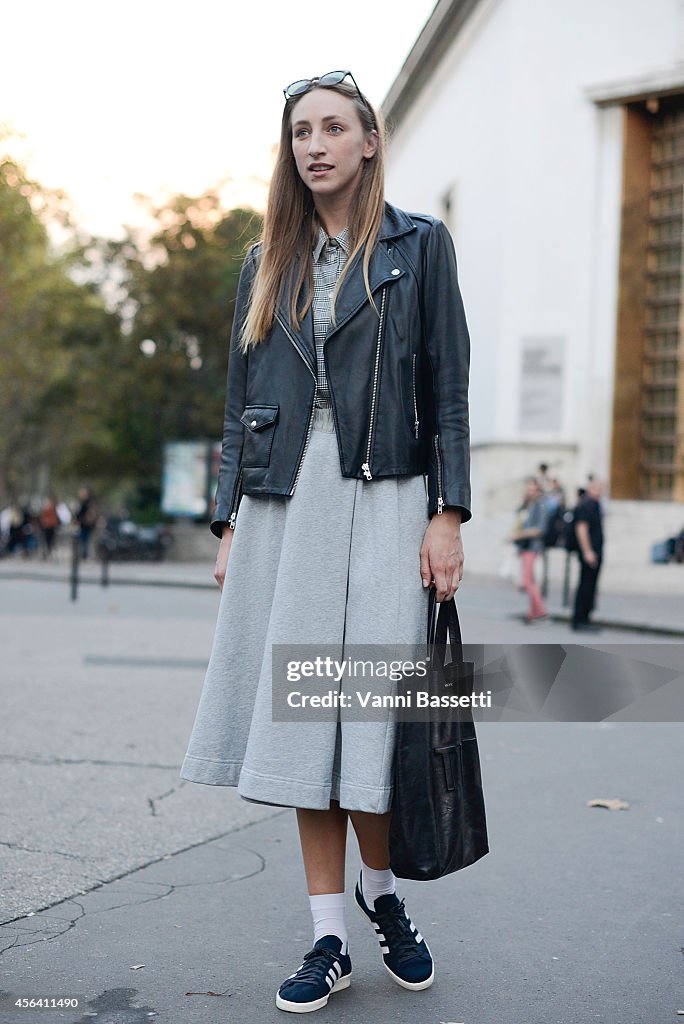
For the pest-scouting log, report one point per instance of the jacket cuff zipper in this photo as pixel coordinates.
(236, 501)
(440, 497)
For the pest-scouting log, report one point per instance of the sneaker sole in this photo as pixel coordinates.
(413, 986)
(315, 1004)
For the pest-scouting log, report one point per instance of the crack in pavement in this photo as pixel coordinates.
(137, 903)
(14, 942)
(229, 879)
(169, 888)
(69, 924)
(152, 800)
(32, 849)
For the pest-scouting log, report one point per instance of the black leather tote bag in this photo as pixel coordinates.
(438, 822)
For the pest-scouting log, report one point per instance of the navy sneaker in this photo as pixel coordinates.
(325, 969)
(404, 950)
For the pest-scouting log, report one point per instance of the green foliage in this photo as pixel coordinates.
(47, 323)
(178, 291)
(80, 401)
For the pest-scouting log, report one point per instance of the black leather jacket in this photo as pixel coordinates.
(398, 378)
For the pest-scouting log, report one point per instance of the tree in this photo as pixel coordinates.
(110, 348)
(176, 297)
(49, 326)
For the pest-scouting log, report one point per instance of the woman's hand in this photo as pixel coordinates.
(222, 556)
(441, 554)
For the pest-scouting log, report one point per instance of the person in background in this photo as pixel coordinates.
(543, 478)
(49, 524)
(555, 496)
(86, 517)
(5, 524)
(530, 543)
(589, 533)
(675, 546)
(22, 533)
(16, 536)
(555, 526)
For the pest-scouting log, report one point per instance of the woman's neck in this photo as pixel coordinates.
(333, 215)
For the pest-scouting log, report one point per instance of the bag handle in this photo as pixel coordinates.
(441, 622)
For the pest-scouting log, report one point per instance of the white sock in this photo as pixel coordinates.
(376, 883)
(327, 911)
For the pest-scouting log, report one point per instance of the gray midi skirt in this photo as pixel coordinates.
(337, 563)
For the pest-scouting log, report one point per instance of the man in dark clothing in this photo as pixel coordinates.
(86, 517)
(589, 532)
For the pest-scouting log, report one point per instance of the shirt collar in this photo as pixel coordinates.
(342, 238)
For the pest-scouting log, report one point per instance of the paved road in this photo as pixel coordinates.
(108, 860)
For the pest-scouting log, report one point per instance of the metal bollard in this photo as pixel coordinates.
(545, 567)
(566, 580)
(104, 578)
(75, 562)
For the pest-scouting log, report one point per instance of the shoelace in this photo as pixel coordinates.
(396, 928)
(317, 963)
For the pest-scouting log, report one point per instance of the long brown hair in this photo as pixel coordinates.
(291, 225)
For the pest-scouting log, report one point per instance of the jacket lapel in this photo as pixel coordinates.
(303, 339)
(352, 295)
(382, 268)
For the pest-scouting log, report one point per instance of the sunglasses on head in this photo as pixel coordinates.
(303, 85)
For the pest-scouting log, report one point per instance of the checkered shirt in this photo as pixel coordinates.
(329, 258)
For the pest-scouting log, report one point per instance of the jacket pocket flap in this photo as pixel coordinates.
(258, 416)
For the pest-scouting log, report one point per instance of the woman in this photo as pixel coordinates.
(347, 385)
(86, 518)
(529, 540)
(49, 524)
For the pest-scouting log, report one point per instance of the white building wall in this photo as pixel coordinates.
(445, 144)
(536, 168)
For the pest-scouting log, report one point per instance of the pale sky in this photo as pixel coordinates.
(158, 96)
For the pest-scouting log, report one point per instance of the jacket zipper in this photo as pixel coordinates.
(306, 442)
(440, 498)
(236, 501)
(366, 465)
(313, 404)
(287, 331)
(415, 406)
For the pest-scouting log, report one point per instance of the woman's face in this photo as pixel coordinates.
(329, 143)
